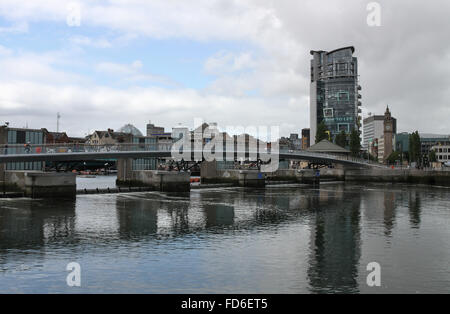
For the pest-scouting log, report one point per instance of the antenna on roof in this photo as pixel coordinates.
(58, 116)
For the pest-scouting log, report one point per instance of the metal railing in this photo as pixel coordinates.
(55, 149)
(20, 149)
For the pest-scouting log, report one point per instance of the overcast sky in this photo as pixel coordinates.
(233, 62)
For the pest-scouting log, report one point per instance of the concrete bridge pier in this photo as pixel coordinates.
(310, 176)
(252, 178)
(124, 170)
(39, 184)
(164, 181)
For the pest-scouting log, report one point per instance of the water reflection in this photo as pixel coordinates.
(335, 245)
(414, 209)
(28, 224)
(218, 215)
(278, 239)
(137, 217)
(389, 212)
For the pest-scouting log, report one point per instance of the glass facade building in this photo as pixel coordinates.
(146, 143)
(334, 94)
(16, 138)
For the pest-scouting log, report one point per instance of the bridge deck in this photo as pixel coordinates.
(64, 153)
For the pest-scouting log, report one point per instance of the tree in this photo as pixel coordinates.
(341, 139)
(355, 143)
(321, 133)
(432, 156)
(394, 157)
(414, 147)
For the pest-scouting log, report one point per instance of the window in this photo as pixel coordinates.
(20, 137)
(344, 126)
(328, 112)
(343, 96)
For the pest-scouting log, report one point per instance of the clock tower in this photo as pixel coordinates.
(389, 131)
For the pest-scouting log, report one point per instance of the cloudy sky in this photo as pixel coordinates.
(235, 62)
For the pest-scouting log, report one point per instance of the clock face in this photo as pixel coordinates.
(388, 127)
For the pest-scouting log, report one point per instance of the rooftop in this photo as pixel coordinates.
(326, 146)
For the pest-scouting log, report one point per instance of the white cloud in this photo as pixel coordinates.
(5, 51)
(133, 72)
(91, 42)
(404, 63)
(99, 107)
(226, 62)
(20, 27)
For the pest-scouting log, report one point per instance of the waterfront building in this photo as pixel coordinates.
(153, 130)
(373, 147)
(442, 153)
(427, 141)
(401, 142)
(293, 142)
(380, 129)
(334, 91)
(13, 141)
(109, 137)
(57, 137)
(390, 128)
(296, 142)
(373, 128)
(306, 138)
(380, 149)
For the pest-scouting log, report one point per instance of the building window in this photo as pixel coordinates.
(328, 112)
(344, 127)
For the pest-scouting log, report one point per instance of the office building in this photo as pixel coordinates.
(306, 138)
(19, 141)
(427, 141)
(153, 130)
(442, 153)
(401, 142)
(373, 128)
(334, 93)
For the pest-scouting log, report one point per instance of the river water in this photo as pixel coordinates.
(285, 239)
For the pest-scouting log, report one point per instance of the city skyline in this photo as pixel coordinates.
(239, 63)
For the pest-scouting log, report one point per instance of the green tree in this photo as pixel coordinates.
(321, 133)
(414, 147)
(341, 139)
(355, 143)
(432, 156)
(393, 157)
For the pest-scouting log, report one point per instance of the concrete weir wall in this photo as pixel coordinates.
(37, 184)
(399, 175)
(307, 175)
(247, 178)
(165, 181)
(251, 178)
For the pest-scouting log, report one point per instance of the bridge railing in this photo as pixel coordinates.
(19, 149)
(52, 149)
(326, 156)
